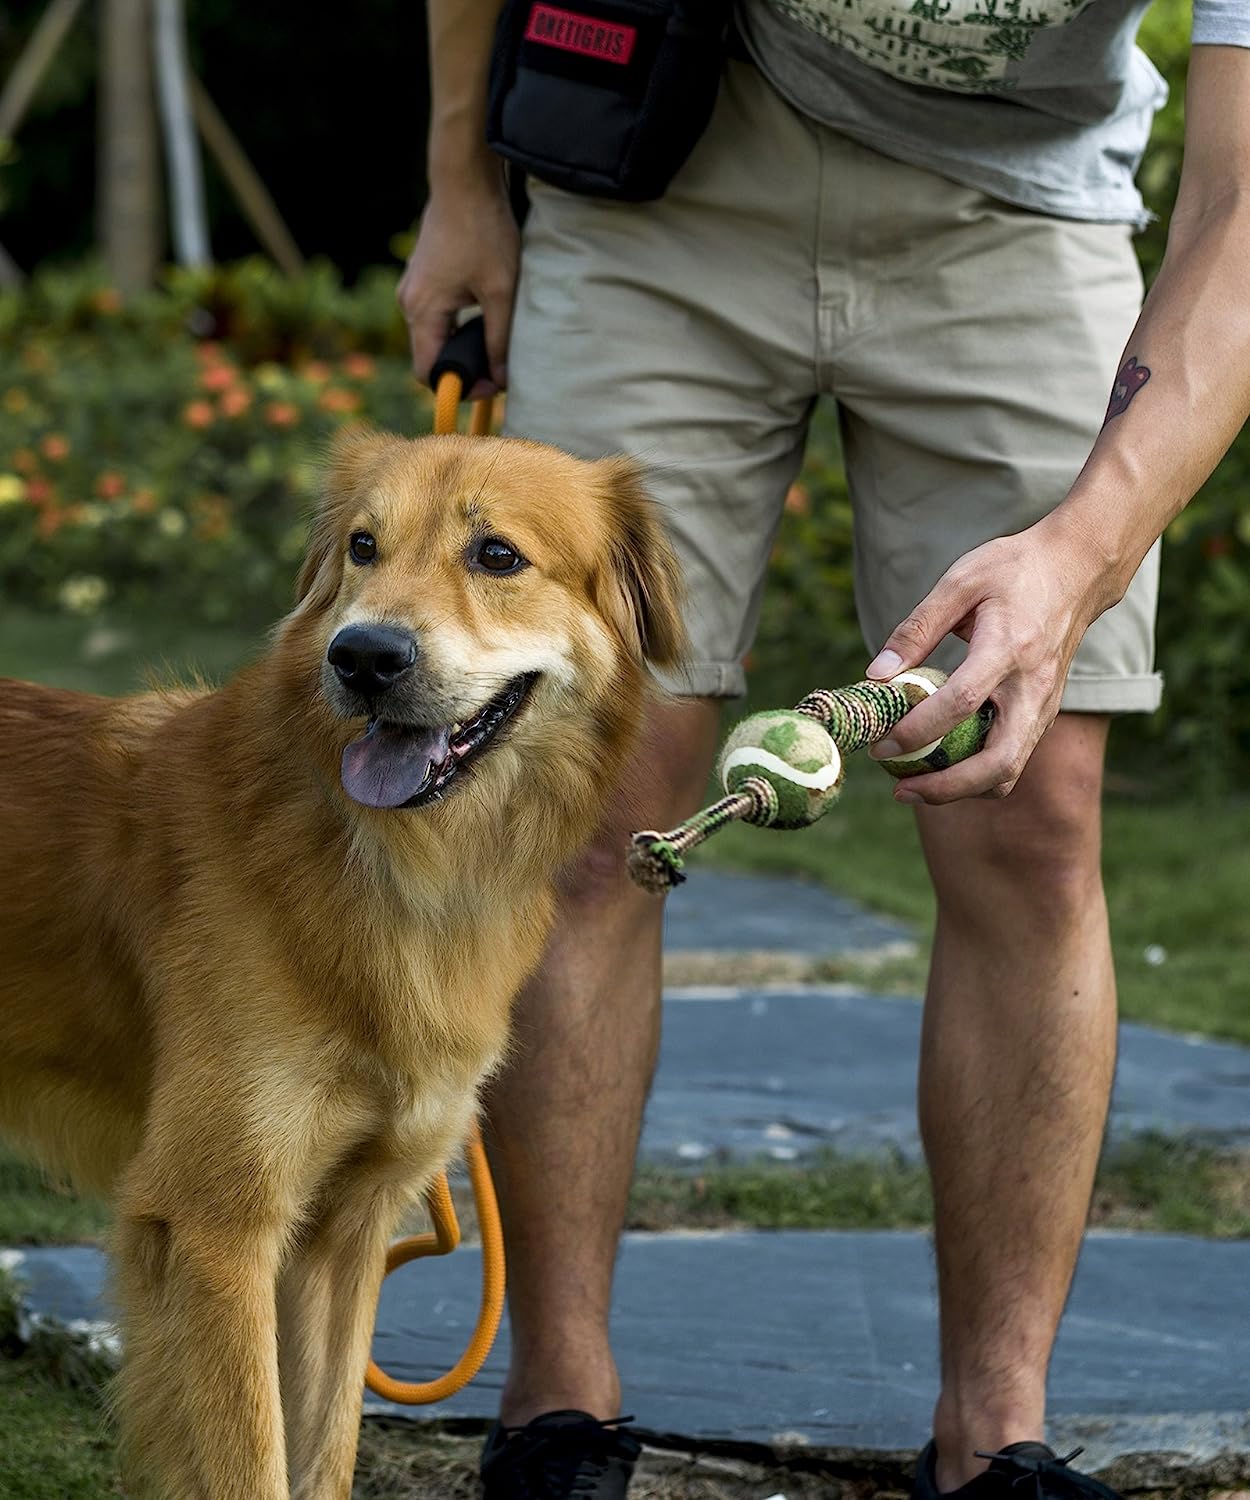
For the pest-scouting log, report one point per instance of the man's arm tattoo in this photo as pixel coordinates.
(1128, 382)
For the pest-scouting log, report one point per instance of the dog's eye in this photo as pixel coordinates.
(497, 556)
(362, 546)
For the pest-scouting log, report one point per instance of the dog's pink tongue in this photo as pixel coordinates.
(391, 764)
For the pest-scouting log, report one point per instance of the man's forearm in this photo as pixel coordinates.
(1183, 389)
(461, 33)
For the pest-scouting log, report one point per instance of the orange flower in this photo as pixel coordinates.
(359, 366)
(281, 414)
(25, 460)
(110, 484)
(798, 501)
(55, 446)
(235, 401)
(198, 414)
(107, 300)
(335, 398)
(317, 371)
(39, 491)
(49, 522)
(217, 377)
(208, 352)
(143, 502)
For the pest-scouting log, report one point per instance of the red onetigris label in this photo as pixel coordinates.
(589, 37)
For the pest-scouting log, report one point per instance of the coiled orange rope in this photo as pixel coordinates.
(446, 1233)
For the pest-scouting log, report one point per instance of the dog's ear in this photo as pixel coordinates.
(346, 469)
(638, 588)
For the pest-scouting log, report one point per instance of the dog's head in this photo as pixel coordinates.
(465, 596)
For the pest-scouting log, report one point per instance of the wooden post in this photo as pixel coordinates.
(27, 72)
(129, 202)
(245, 182)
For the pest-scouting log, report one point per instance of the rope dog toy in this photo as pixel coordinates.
(783, 768)
(460, 364)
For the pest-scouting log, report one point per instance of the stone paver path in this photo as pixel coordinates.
(754, 1072)
(828, 1338)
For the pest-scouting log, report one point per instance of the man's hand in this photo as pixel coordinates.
(466, 253)
(1022, 603)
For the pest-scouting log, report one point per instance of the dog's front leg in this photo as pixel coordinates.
(327, 1299)
(205, 1214)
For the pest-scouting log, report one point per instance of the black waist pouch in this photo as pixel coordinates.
(605, 97)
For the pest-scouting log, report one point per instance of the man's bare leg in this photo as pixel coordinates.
(564, 1118)
(1016, 1066)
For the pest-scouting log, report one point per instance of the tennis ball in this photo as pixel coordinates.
(967, 737)
(794, 754)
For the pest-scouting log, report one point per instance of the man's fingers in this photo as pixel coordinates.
(915, 639)
(992, 772)
(427, 333)
(497, 311)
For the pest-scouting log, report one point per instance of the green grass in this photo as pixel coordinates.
(34, 1212)
(1177, 877)
(117, 651)
(1150, 1183)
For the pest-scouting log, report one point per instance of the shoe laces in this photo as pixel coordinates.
(1048, 1476)
(569, 1459)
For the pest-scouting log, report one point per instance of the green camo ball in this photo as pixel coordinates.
(956, 744)
(786, 749)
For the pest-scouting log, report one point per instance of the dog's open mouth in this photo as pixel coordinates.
(409, 765)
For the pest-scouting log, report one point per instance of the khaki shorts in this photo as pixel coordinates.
(970, 346)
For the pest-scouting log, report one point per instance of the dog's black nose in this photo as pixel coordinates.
(371, 658)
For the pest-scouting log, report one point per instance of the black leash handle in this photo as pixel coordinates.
(464, 354)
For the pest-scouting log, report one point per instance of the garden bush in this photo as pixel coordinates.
(141, 465)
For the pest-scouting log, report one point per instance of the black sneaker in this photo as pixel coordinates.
(557, 1456)
(1022, 1471)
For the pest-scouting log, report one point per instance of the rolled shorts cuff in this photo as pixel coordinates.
(1086, 693)
(705, 679)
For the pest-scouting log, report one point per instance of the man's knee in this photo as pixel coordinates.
(1040, 848)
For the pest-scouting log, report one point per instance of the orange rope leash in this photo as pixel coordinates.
(446, 1233)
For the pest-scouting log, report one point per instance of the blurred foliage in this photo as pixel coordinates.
(330, 106)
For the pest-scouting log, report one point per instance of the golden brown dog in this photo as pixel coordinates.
(258, 945)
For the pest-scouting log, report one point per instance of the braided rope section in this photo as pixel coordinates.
(656, 860)
(858, 715)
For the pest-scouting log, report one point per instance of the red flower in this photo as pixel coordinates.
(282, 414)
(217, 377)
(235, 401)
(337, 399)
(198, 414)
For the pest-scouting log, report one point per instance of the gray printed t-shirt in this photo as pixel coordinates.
(1043, 103)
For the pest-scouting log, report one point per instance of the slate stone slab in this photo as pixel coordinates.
(830, 1338)
(766, 1073)
(723, 912)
